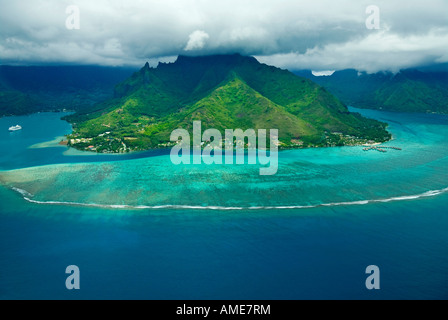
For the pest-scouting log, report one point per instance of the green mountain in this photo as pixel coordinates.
(407, 91)
(25, 90)
(224, 92)
(13, 102)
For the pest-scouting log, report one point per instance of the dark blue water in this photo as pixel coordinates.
(316, 253)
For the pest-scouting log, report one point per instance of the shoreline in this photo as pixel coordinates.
(92, 153)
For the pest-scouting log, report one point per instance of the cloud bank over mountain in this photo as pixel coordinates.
(319, 35)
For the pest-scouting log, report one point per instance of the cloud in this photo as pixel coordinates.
(323, 73)
(316, 35)
(379, 51)
(197, 40)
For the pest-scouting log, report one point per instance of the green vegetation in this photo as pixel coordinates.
(406, 91)
(25, 90)
(16, 103)
(224, 92)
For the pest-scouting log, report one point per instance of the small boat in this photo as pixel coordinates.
(15, 128)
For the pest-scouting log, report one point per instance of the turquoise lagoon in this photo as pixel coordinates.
(140, 227)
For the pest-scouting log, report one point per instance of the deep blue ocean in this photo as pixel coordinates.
(139, 227)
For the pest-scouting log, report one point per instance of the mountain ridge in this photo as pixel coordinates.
(30, 89)
(410, 90)
(221, 91)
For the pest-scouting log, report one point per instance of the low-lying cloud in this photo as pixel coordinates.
(197, 40)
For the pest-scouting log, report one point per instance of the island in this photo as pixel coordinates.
(224, 92)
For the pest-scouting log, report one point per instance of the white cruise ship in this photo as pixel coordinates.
(15, 128)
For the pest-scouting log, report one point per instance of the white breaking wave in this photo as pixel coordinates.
(24, 193)
(27, 196)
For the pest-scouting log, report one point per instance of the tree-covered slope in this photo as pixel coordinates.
(406, 91)
(224, 92)
(26, 90)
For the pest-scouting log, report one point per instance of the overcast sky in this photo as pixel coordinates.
(294, 34)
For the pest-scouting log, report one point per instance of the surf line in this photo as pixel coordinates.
(432, 193)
